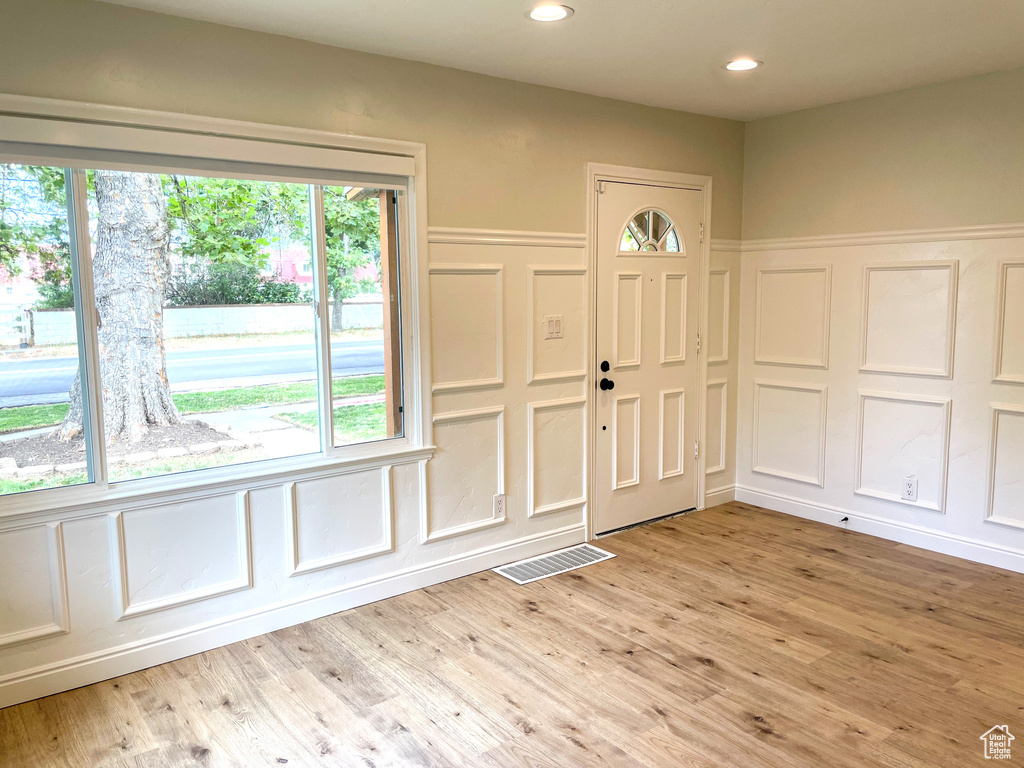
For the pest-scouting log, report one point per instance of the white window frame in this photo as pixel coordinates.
(78, 136)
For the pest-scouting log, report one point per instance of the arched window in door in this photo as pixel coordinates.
(651, 231)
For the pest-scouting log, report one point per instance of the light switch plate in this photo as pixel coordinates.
(552, 326)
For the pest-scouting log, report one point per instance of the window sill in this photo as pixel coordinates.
(88, 500)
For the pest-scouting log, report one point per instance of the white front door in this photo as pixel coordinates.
(648, 288)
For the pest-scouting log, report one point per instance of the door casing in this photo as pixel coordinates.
(596, 173)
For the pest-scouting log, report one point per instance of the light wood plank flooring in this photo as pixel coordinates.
(729, 637)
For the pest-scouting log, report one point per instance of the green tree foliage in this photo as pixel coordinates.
(232, 220)
(199, 284)
(352, 230)
(221, 230)
(33, 223)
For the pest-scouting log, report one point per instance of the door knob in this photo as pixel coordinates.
(607, 384)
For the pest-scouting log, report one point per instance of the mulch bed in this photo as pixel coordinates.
(48, 449)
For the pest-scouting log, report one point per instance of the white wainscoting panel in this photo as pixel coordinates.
(168, 555)
(466, 326)
(718, 316)
(557, 455)
(900, 435)
(330, 521)
(627, 319)
(793, 316)
(671, 431)
(35, 598)
(789, 423)
(909, 318)
(673, 317)
(1006, 466)
(468, 469)
(718, 425)
(626, 439)
(1010, 323)
(560, 291)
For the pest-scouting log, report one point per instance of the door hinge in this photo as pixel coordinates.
(698, 343)
(702, 231)
(696, 450)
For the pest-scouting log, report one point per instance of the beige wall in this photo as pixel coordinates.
(872, 359)
(940, 156)
(501, 154)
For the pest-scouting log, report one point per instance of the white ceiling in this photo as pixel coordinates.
(666, 53)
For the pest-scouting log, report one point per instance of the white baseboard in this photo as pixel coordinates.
(936, 541)
(103, 665)
(715, 496)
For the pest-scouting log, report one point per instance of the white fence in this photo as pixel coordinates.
(57, 326)
(13, 327)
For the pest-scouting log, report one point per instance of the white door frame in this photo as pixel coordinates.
(596, 173)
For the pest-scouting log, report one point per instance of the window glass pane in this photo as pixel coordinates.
(41, 446)
(363, 291)
(204, 294)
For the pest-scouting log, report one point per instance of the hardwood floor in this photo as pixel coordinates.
(729, 637)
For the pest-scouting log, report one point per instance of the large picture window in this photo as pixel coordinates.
(237, 319)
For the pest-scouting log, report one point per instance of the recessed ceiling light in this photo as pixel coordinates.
(551, 12)
(742, 65)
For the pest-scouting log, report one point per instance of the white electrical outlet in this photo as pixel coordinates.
(499, 505)
(552, 326)
(909, 488)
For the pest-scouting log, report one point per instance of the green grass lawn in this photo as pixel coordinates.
(120, 472)
(13, 485)
(352, 423)
(35, 416)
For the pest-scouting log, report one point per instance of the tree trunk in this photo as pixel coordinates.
(131, 268)
(337, 305)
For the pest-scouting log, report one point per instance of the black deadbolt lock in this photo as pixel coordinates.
(604, 366)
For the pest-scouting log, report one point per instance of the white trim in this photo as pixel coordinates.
(723, 384)
(724, 358)
(914, 535)
(297, 567)
(532, 271)
(1010, 378)
(128, 116)
(459, 236)
(719, 245)
(119, 567)
(662, 474)
(498, 380)
(953, 268)
(663, 356)
(887, 237)
(819, 479)
(822, 361)
(998, 409)
(721, 495)
(635, 477)
(60, 623)
(254, 478)
(427, 533)
(860, 490)
(532, 510)
(89, 668)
